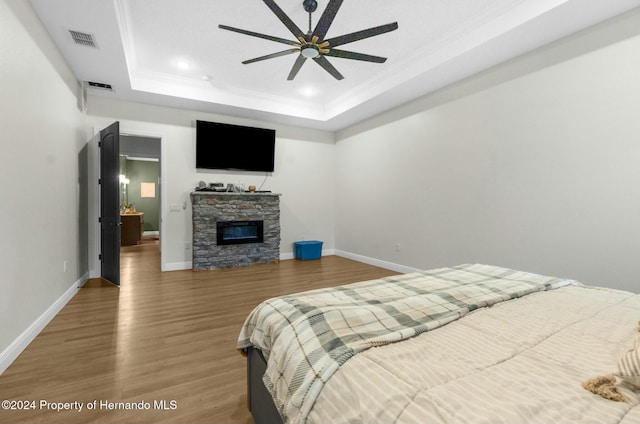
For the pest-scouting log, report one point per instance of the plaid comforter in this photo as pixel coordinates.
(306, 337)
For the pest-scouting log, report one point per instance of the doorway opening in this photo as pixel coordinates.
(140, 177)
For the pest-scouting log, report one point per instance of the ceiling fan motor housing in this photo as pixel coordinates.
(310, 5)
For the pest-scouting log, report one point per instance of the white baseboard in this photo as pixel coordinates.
(176, 266)
(364, 259)
(290, 255)
(285, 256)
(376, 262)
(10, 354)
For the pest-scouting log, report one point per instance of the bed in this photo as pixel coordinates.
(467, 344)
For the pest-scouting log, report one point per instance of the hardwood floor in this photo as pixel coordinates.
(162, 337)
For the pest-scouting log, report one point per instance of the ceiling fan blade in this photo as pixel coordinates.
(297, 32)
(322, 61)
(359, 35)
(327, 18)
(356, 56)
(257, 34)
(296, 67)
(271, 56)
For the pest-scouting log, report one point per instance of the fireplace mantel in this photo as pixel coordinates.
(209, 208)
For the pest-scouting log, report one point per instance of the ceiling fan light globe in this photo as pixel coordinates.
(310, 52)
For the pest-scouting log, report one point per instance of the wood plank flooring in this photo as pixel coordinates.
(167, 338)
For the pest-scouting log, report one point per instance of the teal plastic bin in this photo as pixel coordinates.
(308, 250)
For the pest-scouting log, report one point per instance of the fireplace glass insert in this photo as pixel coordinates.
(239, 232)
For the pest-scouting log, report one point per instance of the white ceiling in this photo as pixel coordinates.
(140, 43)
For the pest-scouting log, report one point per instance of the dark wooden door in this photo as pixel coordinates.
(110, 203)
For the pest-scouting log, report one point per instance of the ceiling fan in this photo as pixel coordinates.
(313, 45)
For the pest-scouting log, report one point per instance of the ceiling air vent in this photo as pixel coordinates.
(83, 38)
(100, 86)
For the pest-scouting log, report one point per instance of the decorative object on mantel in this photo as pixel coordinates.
(217, 187)
(228, 188)
(313, 45)
(236, 187)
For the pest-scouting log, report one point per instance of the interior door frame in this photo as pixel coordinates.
(94, 262)
(161, 182)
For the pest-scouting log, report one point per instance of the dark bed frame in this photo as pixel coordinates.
(260, 402)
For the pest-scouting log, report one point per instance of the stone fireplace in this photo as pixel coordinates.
(234, 229)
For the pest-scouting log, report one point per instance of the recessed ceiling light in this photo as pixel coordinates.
(308, 91)
(184, 65)
(206, 78)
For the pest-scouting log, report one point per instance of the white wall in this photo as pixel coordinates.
(43, 183)
(304, 173)
(536, 170)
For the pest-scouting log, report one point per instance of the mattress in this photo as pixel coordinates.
(472, 343)
(521, 361)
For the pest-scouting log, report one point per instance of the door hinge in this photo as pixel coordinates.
(100, 219)
(99, 143)
(99, 257)
(100, 181)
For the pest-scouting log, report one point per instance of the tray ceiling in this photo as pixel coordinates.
(172, 53)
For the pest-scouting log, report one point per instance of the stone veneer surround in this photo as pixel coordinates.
(211, 207)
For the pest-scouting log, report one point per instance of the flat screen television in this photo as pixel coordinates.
(234, 147)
